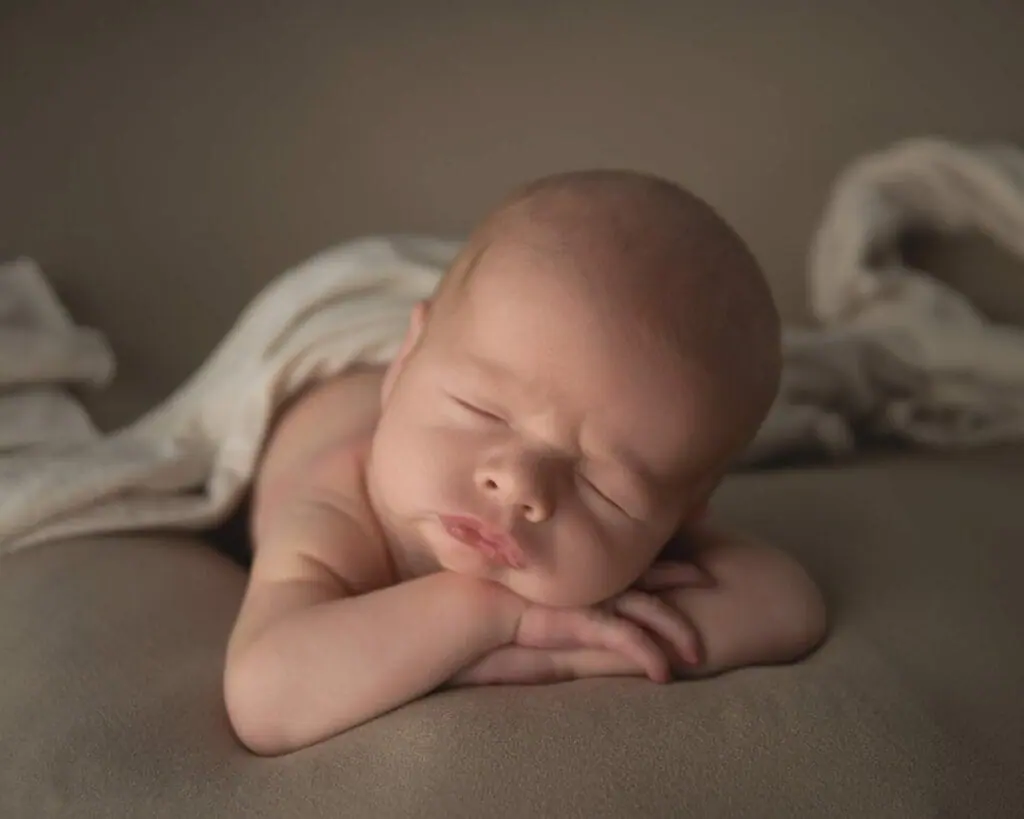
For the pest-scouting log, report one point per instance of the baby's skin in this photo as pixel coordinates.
(521, 495)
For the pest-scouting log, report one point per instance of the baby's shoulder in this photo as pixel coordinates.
(320, 425)
(315, 444)
(312, 467)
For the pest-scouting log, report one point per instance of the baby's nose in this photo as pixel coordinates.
(524, 483)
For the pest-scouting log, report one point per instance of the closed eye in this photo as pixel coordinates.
(478, 411)
(597, 491)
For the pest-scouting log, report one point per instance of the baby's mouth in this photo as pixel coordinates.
(495, 545)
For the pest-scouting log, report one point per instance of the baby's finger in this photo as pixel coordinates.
(673, 574)
(621, 635)
(599, 629)
(656, 615)
(583, 663)
(511, 665)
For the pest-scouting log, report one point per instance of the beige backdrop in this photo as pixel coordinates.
(163, 161)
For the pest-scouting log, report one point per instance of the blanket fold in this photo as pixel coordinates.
(897, 353)
(966, 374)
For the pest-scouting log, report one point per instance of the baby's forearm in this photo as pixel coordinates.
(328, 667)
(764, 607)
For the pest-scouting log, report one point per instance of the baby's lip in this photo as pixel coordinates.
(474, 532)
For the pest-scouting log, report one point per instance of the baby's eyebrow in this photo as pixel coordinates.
(486, 366)
(635, 467)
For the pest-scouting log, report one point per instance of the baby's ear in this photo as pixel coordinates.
(417, 322)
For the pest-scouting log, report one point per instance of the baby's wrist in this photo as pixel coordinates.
(502, 607)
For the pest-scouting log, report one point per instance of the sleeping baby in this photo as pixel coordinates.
(520, 496)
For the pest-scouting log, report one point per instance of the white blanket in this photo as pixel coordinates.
(898, 353)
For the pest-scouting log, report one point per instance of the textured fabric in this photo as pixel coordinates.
(966, 373)
(42, 351)
(185, 464)
(112, 652)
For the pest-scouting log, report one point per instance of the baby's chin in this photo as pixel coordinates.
(554, 592)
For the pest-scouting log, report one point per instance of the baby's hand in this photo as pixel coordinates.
(669, 581)
(634, 634)
(627, 625)
(515, 665)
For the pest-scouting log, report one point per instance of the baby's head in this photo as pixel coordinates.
(585, 373)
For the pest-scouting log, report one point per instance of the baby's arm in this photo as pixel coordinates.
(324, 640)
(762, 609)
(308, 658)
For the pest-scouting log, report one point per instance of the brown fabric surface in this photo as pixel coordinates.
(112, 648)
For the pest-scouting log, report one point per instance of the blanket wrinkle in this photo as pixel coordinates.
(971, 371)
(896, 355)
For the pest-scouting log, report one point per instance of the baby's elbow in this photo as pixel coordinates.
(808, 617)
(253, 706)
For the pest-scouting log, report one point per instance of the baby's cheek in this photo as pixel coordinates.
(596, 566)
(616, 570)
(402, 466)
(434, 472)
(585, 580)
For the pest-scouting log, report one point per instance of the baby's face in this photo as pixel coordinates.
(570, 443)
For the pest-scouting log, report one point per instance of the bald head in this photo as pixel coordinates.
(649, 253)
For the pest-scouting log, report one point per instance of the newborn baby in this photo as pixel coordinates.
(520, 496)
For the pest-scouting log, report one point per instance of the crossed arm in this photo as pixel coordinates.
(310, 656)
(762, 606)
(743, 603)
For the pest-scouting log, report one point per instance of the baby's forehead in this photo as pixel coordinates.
(532, 297)
(520, 276)
(546, 329)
